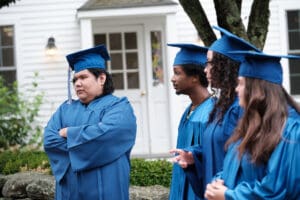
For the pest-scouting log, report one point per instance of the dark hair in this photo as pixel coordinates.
(224, 74)
(260, 128)
(108, 85)
(196, 70)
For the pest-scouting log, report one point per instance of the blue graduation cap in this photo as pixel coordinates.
(230, 42)
(89, 58)
(85, 59)
(190, 54)
(262, 66)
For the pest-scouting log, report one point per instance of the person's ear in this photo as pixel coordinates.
(102, 78)
(195, 79)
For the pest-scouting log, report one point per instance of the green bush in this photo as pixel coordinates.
(17, 115)
(143, 172)
(154, 172)
(16, 161)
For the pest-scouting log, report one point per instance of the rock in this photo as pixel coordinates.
(20, 185)
(155, 192)
(38, 186)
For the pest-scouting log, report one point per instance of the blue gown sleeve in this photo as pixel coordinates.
(192, 171)
(56, 146)
(282, 180)
(282, 177)
(95, 145)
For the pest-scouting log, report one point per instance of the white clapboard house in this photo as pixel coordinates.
(136, 33)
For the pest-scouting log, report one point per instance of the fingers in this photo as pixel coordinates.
(219, 182)
(182, 164)
(209, 191)
(176, 151)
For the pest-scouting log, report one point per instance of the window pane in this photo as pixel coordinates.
(115, 41)
(132, 60)
(8, 57)
(118, 81)
(157, 62)
(295, 84)
(294, 76)
(9, 77)
(130, 41)
(100, 39)
(294, 40)
(293, 19)
(116, 61)
(7, 35)
(133, 80)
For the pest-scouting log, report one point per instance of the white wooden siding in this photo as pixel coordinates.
(35, 21)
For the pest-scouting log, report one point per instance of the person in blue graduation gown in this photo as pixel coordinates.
(202, 162)
(189, 79)
(263, 155)
(89, 140)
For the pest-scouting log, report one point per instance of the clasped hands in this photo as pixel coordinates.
(214, 190)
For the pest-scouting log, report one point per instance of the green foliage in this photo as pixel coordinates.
(16, 161)
(146, 173)
(17, 115)
(143, 172)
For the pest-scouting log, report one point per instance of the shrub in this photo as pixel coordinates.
(143, 172)
(16, 161)
(17, 115)
(154, 172)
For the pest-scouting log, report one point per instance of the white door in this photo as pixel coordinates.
(137, 70)
(127, 67)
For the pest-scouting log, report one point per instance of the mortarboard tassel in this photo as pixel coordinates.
(69, 86)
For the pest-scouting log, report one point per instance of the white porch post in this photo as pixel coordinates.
(174, 101)
(86, 33)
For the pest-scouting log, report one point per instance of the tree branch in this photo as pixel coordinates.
(228, 16)
(198, 17)
(259, 22)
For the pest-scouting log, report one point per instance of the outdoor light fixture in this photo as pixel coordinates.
(51, 48)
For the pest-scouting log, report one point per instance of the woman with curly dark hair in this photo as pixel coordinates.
(264, 152)
(203, 161)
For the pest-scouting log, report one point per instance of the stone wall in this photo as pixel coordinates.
(37, 186)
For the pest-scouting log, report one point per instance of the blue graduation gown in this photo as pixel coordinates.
(189, 133)
(209, 156)
(93, 162)
(237, 172)
(280, 180)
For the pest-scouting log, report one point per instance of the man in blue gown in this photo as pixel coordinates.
(89, 140)
(189, 79)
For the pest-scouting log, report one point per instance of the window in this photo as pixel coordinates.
(157, 61)
(293, 20)
(124, 65)
(7, 54)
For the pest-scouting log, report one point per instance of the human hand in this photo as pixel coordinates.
(215, 190)
(182, 158)
(63, 132)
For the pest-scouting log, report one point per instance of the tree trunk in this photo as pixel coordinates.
(229, 17)
(198, 17)
(258, 23)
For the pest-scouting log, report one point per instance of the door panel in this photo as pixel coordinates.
(127, 67)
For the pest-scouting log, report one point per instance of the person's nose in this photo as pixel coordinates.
(173, 79)
(78, 83)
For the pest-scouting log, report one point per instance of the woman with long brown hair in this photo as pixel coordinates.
(264, 152)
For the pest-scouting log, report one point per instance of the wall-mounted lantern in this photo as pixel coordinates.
(51, 48)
